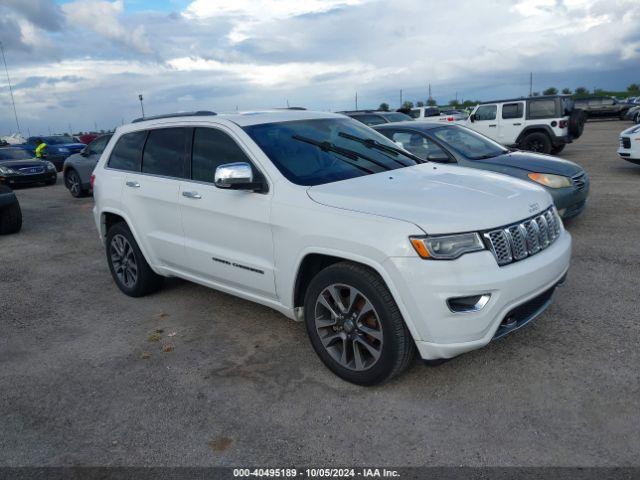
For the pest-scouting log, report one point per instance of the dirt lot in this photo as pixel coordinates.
(242, 385)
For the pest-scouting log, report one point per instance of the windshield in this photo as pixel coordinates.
(396, 117)
(467, 142)
(14, 154)
(314, 152)
(58, 140)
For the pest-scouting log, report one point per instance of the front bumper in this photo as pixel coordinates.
(13, 180)
(570, 201)
(424, 287)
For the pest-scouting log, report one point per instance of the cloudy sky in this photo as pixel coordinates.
(84, 62)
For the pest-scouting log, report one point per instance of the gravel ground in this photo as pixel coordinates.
(242, 385)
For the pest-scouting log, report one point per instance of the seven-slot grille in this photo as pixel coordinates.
(580, 180)
(625, 142)
(521, 240)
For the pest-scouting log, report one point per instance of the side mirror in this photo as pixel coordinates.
(472, 117)
(438, 158)
(236, 176)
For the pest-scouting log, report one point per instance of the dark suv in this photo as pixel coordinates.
(602, 107)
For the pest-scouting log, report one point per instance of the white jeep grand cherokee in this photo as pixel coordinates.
(329, 222)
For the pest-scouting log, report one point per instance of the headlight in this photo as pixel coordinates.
(550, 180)
(447, 247)
(50, 166)
(63, 150)
(7, 170)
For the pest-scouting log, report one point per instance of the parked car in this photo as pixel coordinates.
(373, 117)
(630, 144)
(59, 147)
(539, 124)
(77, 168)
(329, 222)
(10, 213)
(633, 114)
(87, 138)
(435, 114)
(19, 167)
(566, 182)
(602, 107)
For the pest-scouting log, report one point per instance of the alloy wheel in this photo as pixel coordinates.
(73, 183)
(123, 261)
(348, 327)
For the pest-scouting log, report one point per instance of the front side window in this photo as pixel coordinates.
(127, 153)
(512, 110)
(414, 113)
(486, 112)
(542, 108)
(314, 152)
(418, 144)
(212, 148)
(467, 142)
(164, 152)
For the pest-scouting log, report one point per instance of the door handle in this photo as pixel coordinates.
(133, 184)
(195, 195)
(494, 125)
(517, 124)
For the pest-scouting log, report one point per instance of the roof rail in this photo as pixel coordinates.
(199, 113)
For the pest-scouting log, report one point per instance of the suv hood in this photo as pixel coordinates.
(535, 162)
(437, 198)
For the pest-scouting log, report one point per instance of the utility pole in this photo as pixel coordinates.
(287, 103)
(141, 104)
(430, 97)
(530, 83)
(70, 131)
(400, 98)
(13, 102)
(356, 100)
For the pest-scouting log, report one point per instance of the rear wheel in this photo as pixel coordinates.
(10, 219)
(355, 326)
(537, 142)
(128, 267)
(74, 184)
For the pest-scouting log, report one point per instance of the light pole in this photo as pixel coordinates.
(15, 112)
(141, 105)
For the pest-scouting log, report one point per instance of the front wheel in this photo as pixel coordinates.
(127, 264)
(537, 142)
(355, 326)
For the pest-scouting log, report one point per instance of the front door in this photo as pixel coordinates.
(228, 235)
(486, 121)
(511, 120)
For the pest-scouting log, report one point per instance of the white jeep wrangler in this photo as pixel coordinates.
(327, 221)
(539, 124)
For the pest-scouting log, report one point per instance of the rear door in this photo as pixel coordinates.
(486, 121)
(511, 120)
(228, 235)
(151, 195)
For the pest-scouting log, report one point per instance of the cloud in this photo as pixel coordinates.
(43, 14)
(103, 18)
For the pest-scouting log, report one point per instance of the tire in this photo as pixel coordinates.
(10, 219)
(536, 142)
(124, 258)
(558, 149)
(577, 119)
(381, 325)
(74, 184)
(636, 119)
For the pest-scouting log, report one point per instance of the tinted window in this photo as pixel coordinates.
(418, 144)
(396, 117)
(542, 108)
(98, 145)
(127, 153)
(14, 154)
(486, 112)
(287, 146)
(467, 142)
(431, 112)
(164, 152)
(594, 102)
(212, 148)
(415, 113)
(608, 101)
(512, 110)
(370, 119)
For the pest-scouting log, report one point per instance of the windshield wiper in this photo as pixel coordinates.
(371, 143)
(345, 152)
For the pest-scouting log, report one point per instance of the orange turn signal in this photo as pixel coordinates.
(419, 247)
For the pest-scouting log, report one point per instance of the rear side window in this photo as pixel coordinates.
(415, 113)
(542, 108)
(164, 152)
(512, 110)
(212, 148)
(127, 153)
(99, 144)
(486, 112)
(370, 119)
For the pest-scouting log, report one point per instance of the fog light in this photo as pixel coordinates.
(473, 303)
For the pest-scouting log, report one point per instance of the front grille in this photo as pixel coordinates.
(625, 142)
(31, 170)
(580, 180)
(521, 240)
